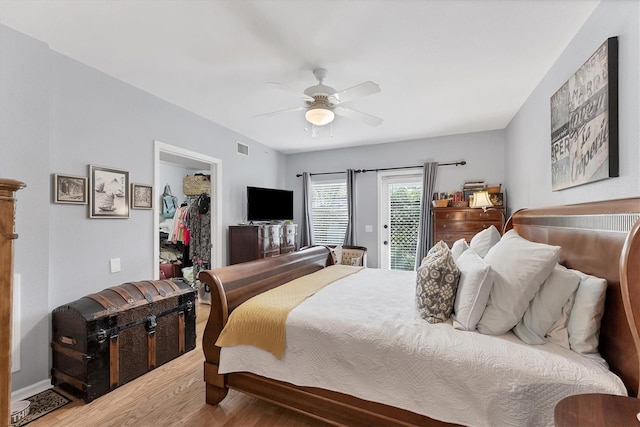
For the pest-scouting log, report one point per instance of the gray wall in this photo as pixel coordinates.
(58, 116)
(528, 154)
(483, 152)
(25, 88)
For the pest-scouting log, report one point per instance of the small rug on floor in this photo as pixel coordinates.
(42, 404)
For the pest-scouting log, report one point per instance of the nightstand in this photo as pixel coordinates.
(587, 410)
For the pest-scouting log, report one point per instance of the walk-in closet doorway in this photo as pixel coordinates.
(178, 156)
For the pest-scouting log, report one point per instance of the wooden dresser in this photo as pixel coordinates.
(451, 224)
(250, 242)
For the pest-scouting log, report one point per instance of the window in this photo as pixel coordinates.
(329, 212)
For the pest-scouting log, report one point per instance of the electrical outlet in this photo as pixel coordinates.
(114, 265)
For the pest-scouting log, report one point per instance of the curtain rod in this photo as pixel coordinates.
(460, 163)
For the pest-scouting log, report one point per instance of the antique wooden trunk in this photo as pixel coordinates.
(107, 339)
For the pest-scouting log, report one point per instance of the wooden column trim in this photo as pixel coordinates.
(8, 187)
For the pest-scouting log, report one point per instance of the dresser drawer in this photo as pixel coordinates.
(287, 249)
(459, 226)
(481, 225)
(269, 244)
(480, 215)
(269, 231)
(445, 215)
(270, 254)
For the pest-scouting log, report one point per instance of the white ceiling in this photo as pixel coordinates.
(445, 66)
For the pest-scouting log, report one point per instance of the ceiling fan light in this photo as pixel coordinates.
(319, 116)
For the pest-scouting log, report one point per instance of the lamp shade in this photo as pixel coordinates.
(481, 200)
(319, 116)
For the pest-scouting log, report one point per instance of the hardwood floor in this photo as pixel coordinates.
(173, 395)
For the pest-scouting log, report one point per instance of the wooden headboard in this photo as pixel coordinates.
(601, 239)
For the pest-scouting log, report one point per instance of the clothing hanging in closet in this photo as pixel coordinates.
(199, 225)
(179, 230)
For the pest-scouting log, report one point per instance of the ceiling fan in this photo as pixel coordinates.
(323, 103)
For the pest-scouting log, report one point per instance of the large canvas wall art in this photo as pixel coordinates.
(584, 122)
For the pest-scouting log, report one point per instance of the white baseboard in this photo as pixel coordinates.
(29, 391)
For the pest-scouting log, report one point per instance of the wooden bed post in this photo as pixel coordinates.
(629, 269)
(233, 285)
(216, 387)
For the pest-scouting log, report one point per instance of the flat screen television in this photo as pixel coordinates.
(268, 204)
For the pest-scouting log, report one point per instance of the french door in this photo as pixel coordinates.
(400, 196)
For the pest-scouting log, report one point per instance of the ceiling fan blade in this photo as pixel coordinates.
(357, 115)
(358, 91)
(286, 88)
(273, 113)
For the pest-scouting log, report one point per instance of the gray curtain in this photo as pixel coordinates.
(429, 173)
(350, 235)
(306, 231)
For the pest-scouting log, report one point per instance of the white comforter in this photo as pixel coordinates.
(363, 336)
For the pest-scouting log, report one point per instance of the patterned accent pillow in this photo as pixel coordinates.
(439, 248)
(436, 285)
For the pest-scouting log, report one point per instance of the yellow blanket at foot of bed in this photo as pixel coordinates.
(261, 320)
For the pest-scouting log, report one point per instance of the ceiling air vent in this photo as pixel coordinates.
(242, 149)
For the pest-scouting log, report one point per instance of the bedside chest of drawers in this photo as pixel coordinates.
(451, 224)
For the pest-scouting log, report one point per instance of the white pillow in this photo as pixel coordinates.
(474, 287)
(458, 247)
(558, 334)
(519, 268)
(586, 314)
(484, 240)
(336, 253)
(546, 306)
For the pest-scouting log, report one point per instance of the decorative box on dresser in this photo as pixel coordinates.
(251, 242)
(451, 224)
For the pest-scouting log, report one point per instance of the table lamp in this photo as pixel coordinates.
(481, 200)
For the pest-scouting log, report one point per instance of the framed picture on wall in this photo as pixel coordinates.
(141, 196)
(584, 122)
(70, 189)
(109, 192)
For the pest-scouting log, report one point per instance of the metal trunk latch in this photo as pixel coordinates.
(151, 325)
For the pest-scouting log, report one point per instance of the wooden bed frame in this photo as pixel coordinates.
(600, 238)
